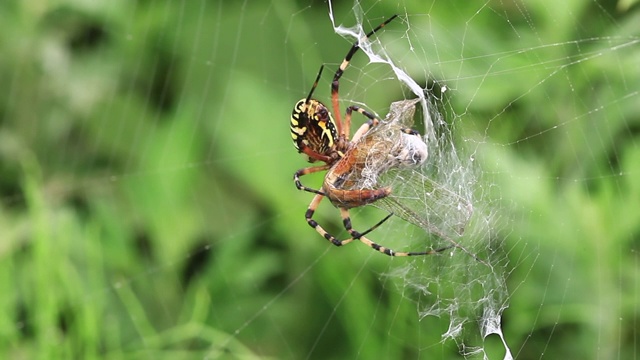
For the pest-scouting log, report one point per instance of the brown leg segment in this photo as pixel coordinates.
(335, 84)
(307, 171)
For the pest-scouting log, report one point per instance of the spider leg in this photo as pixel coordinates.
(315, 155)
(373, 121)
(346, 221)
(335, 84)
(315, 84)
(307, 171)
(361, 236)
(410, 131)
(314, 224)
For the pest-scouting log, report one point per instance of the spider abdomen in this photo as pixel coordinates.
(313, 129)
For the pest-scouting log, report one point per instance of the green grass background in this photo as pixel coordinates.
(146, 202)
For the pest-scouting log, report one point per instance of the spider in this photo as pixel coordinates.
(317, 135)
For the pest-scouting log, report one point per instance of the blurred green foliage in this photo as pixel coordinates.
(147, 208)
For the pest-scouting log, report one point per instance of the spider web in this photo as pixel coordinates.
(147, 208)
(440, 197)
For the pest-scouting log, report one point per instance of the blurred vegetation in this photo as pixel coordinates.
(147, 208)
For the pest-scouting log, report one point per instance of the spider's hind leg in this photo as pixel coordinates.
(361, 236)
(346, 221)
(314, 224)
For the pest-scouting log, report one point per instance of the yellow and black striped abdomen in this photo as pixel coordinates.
(313, 127)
